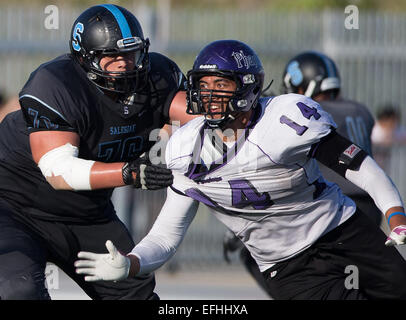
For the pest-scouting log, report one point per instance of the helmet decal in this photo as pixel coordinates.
(243, 60)
(296, 76)
(121, 20)
(77, 31)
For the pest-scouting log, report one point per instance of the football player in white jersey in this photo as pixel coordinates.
(316, 75)
(253, 161)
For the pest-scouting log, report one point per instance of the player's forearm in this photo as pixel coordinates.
(395, 216)
(165, 236)
(371, 178)
(57, 156)
(106, 175)
(150, 254)
(134, 265)
(88, 175)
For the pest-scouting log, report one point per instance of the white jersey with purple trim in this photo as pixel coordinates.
(265, 187)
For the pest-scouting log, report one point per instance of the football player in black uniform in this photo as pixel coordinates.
(85, 119)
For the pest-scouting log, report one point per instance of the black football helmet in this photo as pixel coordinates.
(313, 72)
(230, 59)
(110, 30)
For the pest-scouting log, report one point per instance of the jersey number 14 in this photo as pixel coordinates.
(307, 112)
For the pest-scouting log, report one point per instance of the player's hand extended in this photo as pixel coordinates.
(397, 236)
(147, 175)
(109, 266)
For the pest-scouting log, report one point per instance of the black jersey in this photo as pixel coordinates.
(355, 122)
(58, 96)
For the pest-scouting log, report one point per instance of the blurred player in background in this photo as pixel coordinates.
(387, 130)
(387, 134)
(253, 161)
(315, 75)
(84, 122)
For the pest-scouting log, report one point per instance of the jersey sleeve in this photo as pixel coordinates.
(39, 116)
(291, 124)
(47, 104)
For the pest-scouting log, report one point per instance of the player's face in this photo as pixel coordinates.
(119, 62)
(216, 101)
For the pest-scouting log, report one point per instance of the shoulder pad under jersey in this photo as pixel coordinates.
(290, 125)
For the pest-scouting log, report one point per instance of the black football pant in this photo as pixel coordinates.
(26, 247)
(366, 204)
(350, 262)
(252, 267)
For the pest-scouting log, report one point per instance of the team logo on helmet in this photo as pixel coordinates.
(295, 73)
(76, 38)
(244, 60)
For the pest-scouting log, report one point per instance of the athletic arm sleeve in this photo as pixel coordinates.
(165, 236)
(371, 178)
(353, 163)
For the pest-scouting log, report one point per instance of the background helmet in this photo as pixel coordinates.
(107, 30)
(312, 71)
(230, 59)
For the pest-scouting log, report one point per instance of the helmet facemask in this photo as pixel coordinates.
(231, 103)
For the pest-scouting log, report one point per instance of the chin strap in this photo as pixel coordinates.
(220, 123)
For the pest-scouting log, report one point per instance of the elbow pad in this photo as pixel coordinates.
(63, 161)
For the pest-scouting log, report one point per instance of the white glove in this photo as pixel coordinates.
(98, 266)
(397, 236)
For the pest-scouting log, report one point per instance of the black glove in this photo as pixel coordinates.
(148, 176)
(230, 244)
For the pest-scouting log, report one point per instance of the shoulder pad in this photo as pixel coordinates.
(290, 124)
